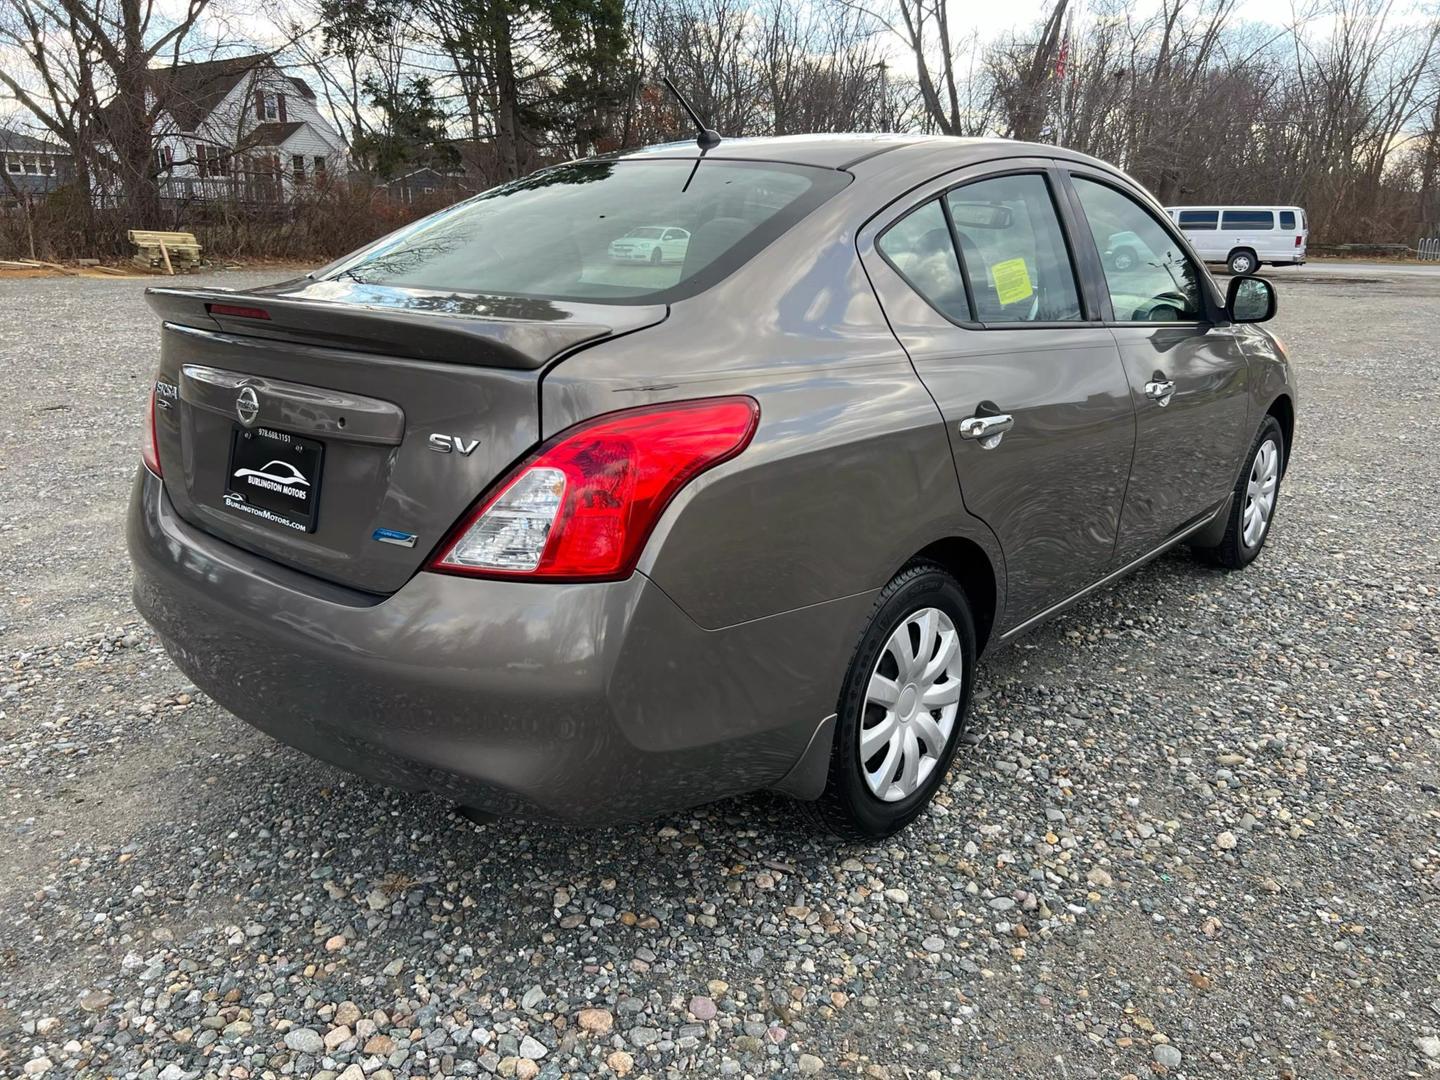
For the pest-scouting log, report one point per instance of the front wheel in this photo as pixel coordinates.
(655, 256)
(902, 706)
(1255, 500)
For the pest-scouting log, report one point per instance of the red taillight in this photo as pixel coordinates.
(237, 311)
(1299, 240)
(150, 448)
(583, 506)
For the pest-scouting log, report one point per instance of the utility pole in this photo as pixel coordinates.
(885, 96)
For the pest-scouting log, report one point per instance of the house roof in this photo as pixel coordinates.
(20, 143)
(190, 92)
(272, 134)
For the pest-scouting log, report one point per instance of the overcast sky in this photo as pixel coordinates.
(241, 22)
(989, 17)
(995, 18)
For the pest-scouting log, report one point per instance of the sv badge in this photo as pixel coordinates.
(443, 444)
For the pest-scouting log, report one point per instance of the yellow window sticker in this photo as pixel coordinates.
(1012, 281)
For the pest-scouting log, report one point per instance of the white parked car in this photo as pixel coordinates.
(652, 244)
(1125, 251)
(1244, 237)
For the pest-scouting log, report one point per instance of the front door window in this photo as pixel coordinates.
(1149, 278)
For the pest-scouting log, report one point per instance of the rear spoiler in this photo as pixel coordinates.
(451, 328)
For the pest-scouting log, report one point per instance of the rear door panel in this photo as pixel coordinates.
(1052, 490)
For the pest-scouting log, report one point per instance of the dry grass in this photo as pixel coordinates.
(326, 222)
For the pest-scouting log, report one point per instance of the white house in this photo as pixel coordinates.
(241, 127)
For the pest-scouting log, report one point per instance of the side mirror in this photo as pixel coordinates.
(1250, 300)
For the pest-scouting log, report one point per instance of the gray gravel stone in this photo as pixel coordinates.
(1168, 1056)
(305, 1040)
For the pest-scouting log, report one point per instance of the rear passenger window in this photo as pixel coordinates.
(1287, 219)
(1197, 220)
(919, 247)
(1014, 253)
(1248, 219)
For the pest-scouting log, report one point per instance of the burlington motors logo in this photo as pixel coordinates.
(278, 476)
(247, 405)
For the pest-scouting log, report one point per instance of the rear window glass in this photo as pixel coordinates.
(1287, 219)
(1199, 219)
(1248, 219)
(609, 231)
(1013, 250)
(920, 248)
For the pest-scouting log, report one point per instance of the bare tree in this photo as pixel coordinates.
(953, 100)
(821, 68)
(56, 75)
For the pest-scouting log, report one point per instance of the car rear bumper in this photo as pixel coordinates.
(584, 702)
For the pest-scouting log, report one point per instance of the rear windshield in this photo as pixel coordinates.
(602, 231)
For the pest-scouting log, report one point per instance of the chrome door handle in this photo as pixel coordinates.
(987, 430)
(1160, 391)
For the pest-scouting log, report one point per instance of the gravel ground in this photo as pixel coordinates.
(1199, 834)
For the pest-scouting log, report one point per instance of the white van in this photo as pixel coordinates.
(1244, 237)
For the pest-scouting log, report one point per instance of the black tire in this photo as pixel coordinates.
(847, 808)
(1233, 553)
(1243, 261)
(656, 256)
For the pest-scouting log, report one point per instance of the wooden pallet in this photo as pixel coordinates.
(174, 251)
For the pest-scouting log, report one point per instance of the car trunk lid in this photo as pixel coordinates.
(342, 429)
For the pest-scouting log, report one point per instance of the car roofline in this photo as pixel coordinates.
(777, 152)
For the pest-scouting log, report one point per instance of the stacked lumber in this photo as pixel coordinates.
(170, 251)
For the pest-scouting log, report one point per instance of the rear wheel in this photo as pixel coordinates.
(1255, 500)
(902, 706)
(1242, 261)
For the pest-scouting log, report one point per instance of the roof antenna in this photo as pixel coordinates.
(708, 138)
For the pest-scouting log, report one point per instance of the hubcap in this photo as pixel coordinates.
(1260, 492)
(1242, 264)
(910, 705)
